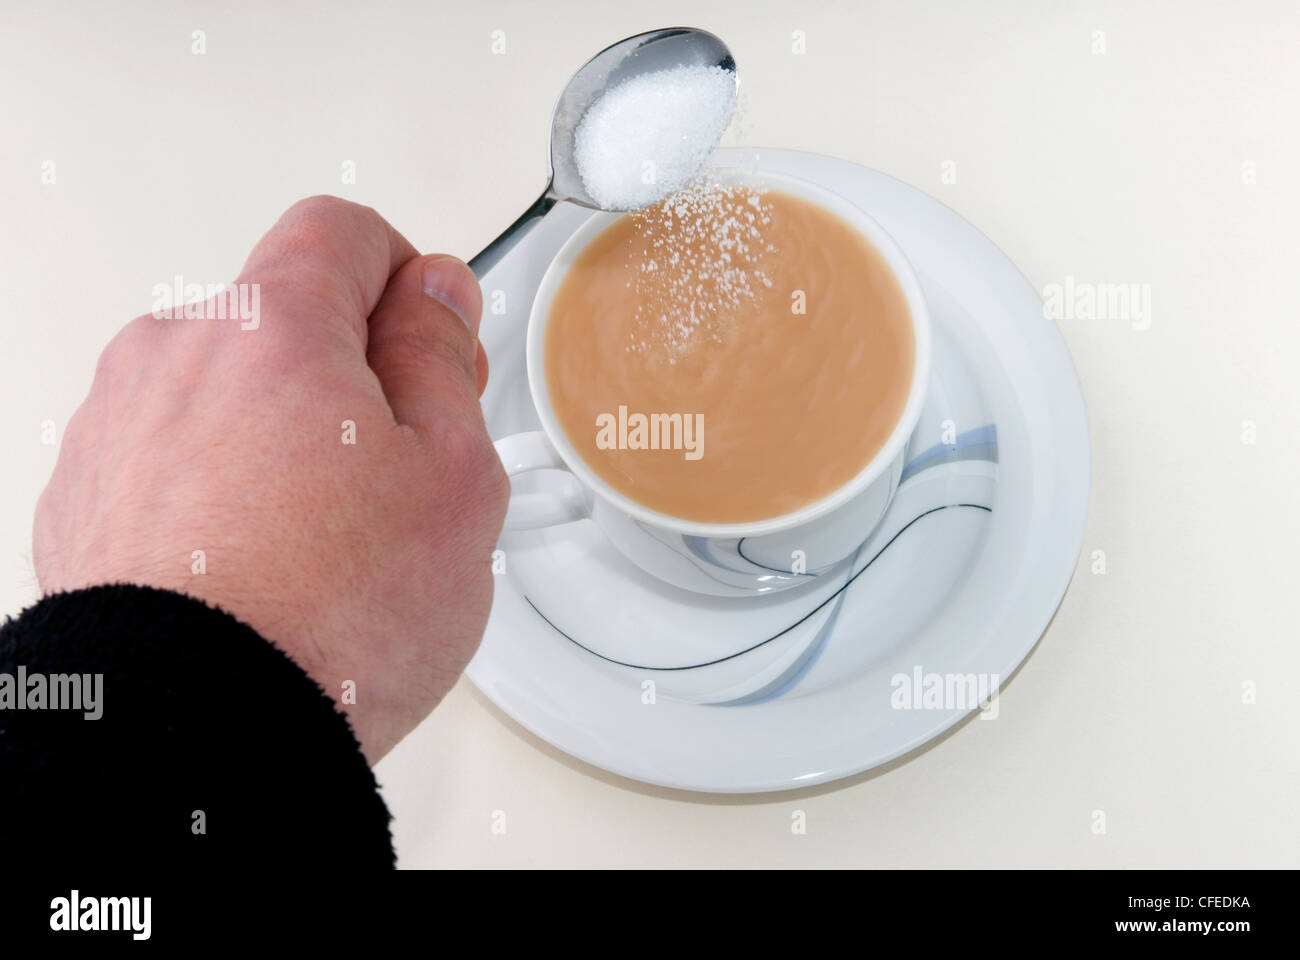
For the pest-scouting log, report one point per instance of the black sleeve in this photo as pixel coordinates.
(212, 747)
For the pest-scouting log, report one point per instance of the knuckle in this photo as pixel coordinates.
(320, 234)
(307, 225)
(109, 362)
(76, 425)
(319, 206)
(321, 217)
(119, 353)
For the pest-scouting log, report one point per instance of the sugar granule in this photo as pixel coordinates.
(646, 137)
(701, 261)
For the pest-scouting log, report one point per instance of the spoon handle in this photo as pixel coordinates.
(503, 244)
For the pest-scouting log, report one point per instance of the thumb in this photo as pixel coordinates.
(423, 342)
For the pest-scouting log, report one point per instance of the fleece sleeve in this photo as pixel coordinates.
(211, 747)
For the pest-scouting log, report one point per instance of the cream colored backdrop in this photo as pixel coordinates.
(1153, 143)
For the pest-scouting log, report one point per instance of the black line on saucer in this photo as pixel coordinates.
(762, 566)
(741, 653)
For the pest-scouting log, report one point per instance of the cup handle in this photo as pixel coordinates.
(522, 452)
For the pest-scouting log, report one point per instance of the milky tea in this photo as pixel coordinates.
(731, 355)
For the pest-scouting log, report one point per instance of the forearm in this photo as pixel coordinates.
(187, 739)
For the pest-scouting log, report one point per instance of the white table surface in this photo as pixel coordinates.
(1131, 165)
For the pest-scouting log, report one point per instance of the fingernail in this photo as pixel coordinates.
(450, 282)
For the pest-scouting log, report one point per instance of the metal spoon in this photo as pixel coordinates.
(643, 53)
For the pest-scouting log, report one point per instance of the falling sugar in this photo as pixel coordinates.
(697, 263)
(646, 137)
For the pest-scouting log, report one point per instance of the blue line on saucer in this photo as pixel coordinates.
(978, 444)
(741, 653)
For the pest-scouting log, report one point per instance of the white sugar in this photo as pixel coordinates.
(646, 137)
(698, 263)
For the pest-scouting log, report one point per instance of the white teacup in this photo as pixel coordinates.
(723, 559)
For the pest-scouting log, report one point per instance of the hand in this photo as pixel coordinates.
(365, 561)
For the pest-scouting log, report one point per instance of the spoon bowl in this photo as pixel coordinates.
(643, 53)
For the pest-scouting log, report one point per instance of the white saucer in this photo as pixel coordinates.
(770, 693)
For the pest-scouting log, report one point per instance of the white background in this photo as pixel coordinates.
(1122, 166)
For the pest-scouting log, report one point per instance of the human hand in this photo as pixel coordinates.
(367, 561)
